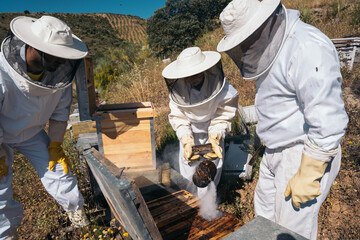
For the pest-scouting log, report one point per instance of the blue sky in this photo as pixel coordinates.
(141, 8)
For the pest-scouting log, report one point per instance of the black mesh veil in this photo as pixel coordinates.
(62, 77)
(256, 54)
(184, 94)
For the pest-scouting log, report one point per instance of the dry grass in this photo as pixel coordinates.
(147, 84)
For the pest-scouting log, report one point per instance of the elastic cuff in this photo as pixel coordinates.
(219, 130)
(313, 151)
(183, 131)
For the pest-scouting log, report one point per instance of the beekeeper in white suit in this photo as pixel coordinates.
(202, 106)
(301, 115)
(38, 61)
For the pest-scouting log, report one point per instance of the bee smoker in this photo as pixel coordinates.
(206, 170)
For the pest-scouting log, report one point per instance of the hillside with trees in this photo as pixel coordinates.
(99, 31)
(131, 28)
(178, 24)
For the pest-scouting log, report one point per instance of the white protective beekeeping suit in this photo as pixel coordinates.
(299, 106)
(199, 111)
(27, 105)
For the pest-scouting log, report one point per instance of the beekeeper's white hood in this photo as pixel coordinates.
(48, 35)
(192, 61)
(255, 33)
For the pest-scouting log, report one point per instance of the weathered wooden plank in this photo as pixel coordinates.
(119, 194)
(145, 213)
(82, 93)
(125, 106)
(116, 171)
(89, 75)
(133, 171)
(348, 49)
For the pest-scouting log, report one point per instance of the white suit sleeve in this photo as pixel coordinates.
(315, 73)
(225, 112)
(179, 121)
(62, 110)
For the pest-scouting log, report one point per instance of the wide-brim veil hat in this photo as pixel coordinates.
(241, 18)
(49, 35)
(191, 61)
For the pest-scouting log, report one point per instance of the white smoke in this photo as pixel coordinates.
(208, 203)
(171, 155)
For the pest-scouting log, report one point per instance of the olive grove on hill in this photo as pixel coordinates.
(178, 24)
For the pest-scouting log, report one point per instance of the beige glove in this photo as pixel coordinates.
(188, 142)
(57, 155)
(214, 139)
(211, 156)
(304, 186)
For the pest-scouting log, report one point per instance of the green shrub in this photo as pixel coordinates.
(307, 15)
(355, 16)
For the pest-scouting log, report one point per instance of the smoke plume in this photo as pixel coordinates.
(208, 203)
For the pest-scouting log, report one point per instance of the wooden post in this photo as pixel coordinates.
(90, 85)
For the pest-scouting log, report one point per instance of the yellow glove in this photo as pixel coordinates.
(57, 155)
(304, 186)
(214, 139)
(188, 142)
(3, 168)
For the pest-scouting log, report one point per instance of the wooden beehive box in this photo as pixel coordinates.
(127, 134)
(125, 130)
